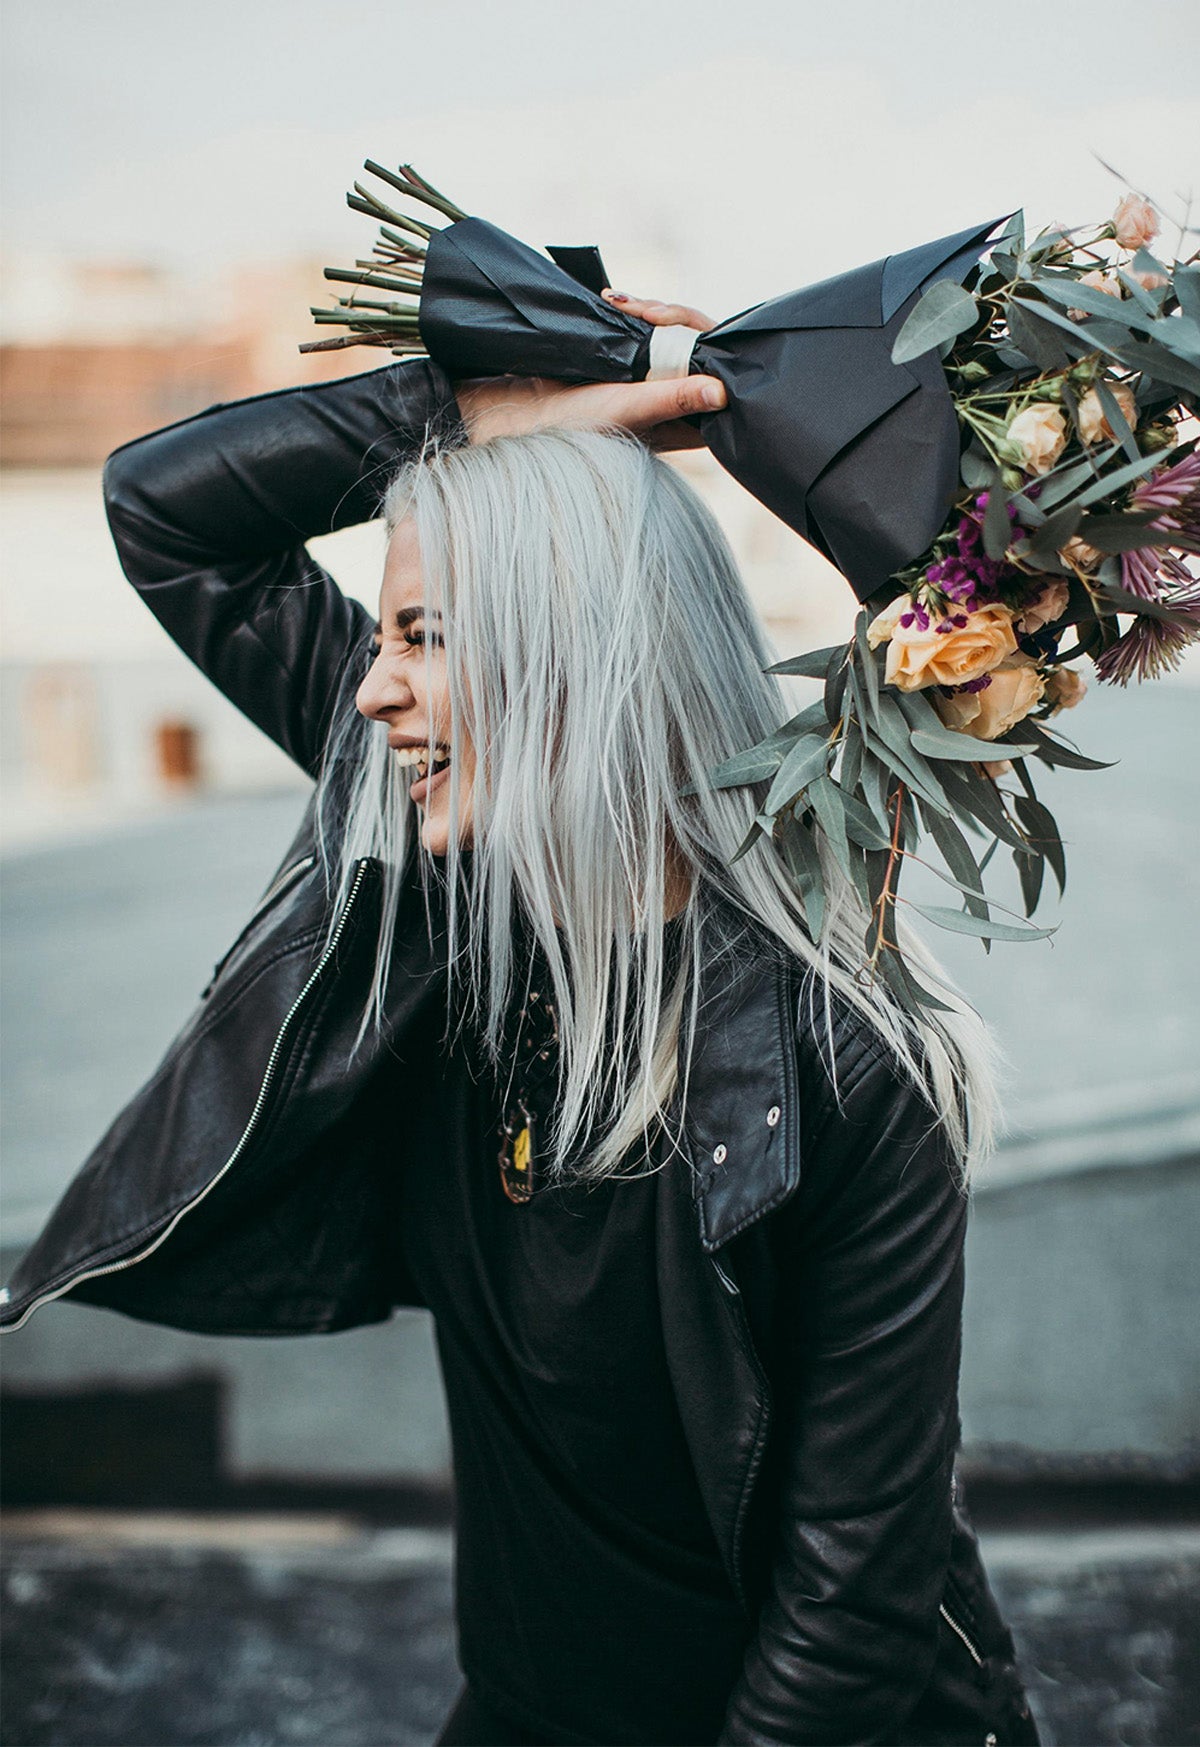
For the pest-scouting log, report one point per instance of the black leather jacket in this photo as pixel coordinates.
(810, 1260)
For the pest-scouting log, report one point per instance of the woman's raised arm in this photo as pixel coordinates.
(210, 517)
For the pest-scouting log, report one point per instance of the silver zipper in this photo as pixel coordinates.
(959, 1633)
(246, 1134)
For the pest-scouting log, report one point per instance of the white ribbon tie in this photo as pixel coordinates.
(671, 351)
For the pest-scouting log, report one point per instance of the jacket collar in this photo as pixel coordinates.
(741, 1120)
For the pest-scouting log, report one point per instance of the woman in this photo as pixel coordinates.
(521, 1041)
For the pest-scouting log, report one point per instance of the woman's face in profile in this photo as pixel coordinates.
(407, 689)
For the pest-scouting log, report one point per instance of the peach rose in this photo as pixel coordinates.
(1040, 435)
(1064, 688)
(1078, 553)
(1093, 423)
(952, 655)
(1135, 222)
(1014, 688)
(1100, 279)
(1051, 604)
(1148, 279)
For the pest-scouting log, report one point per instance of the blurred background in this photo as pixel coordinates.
(246, 1541)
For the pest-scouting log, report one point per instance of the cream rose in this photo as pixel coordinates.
(1093, 423)
(883, 624)
(918, 658)
(1014, 688)
(1064, 689)
(1040, 435)
(1078, 553)
(1051, 604)
(1100, 279)
(1135, 222)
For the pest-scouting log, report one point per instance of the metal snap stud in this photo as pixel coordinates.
(773, 1115)
(989, 1740)
(720, 1154)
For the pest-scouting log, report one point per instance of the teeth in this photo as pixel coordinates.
(418, 757)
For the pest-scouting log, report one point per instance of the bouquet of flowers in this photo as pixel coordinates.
(1007, 473)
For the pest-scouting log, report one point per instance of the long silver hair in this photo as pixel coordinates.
(603, 654)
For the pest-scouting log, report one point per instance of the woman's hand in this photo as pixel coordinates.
(509, 405)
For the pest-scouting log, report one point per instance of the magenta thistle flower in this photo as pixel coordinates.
(1150, 647)
(1155, 572)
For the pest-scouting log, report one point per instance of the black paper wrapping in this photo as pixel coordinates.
(857, 454)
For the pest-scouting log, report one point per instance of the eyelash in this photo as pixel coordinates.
(414, 640)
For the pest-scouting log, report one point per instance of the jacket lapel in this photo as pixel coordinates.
(742, 1120)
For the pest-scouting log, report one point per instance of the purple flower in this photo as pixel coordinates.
(1155, 572)
(1149, 648)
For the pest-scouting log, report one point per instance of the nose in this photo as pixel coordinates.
(382, 692)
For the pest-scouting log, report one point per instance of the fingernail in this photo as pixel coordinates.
(714, 395)
(617, 296)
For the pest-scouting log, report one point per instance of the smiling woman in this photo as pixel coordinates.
(407, 689)
(526, 1042)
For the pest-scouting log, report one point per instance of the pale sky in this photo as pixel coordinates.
(735, 150)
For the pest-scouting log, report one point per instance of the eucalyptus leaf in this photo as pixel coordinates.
(1042, 831)
(941, 313)
(1053, 751)
(1164, 363)
(1035, 337)
(758, 828)
(755, 764)
(865, 656)
(1071, 294)
(806, 759)
(876, 781)
(861, 825)
(996, 527)
(976, 795)
(956, 853)
(1127, 532)
(894, 970)
(1186, 281)
(825, 799)
(1055, 531)
(1118, 424)
(803, 861)
(1068, 476)
(1119, 477)
(1031, 870)
(1121, 601)
(853, 747)
(975, 467)
(964, 748)
(813, 665)
(835, 691)
(960, 922)
(908, 763)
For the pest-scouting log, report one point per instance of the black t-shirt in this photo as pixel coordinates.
(592, 1601)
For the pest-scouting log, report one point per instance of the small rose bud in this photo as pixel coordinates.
(1135, 222)
(1093, 420)
(1038, 435)
(1100, 279)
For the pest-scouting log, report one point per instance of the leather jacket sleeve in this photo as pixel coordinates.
(210, 516)
(865, 1374)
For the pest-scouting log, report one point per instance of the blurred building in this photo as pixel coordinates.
(100, 716)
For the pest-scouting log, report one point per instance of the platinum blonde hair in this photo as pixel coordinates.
(603, 654)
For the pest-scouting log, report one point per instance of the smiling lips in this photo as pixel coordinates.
(417, 757)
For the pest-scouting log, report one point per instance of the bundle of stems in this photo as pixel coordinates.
(396, 267)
